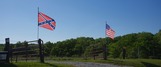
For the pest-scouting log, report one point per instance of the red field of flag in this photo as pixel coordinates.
(46, 22)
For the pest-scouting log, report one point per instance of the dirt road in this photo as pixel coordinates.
(88, 64)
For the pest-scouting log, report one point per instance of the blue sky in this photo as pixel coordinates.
(77, 18)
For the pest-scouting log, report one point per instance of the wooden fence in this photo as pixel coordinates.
(25, 52)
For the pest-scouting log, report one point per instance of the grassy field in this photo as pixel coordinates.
(132, 62)
(122, 62)
(33, 64)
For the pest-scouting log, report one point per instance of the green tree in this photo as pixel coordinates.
(48, 47)
(138, 45)
(157, 45)
(145, 44)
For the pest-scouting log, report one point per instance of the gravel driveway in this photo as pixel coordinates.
(88, 64)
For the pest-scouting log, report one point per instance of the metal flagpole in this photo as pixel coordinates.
(40, 42)
(105, 48)
(38, 25)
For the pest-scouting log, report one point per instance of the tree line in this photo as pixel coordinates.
(137, 45)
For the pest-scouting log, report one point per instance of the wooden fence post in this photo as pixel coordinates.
(26, 52)
(124, 52)
(7, 48)
(41, 54)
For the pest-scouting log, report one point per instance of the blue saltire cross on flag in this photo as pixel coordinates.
(46, 22)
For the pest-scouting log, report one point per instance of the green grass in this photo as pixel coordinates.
(129, 62)
(33, 64)
(138, 62)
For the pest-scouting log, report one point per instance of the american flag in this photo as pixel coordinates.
(109, 32)
(45, 21)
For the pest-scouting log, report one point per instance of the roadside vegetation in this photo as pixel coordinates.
(143, 45)
(143, 49)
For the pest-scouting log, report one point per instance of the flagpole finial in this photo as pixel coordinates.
(38, 9)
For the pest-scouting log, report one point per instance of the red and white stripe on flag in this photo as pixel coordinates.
(110, 33)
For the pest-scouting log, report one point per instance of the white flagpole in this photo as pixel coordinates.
(105, 27)
(38, 25)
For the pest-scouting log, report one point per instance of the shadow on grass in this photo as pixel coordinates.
(7, 65)
(149, 64)
(50, 64)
